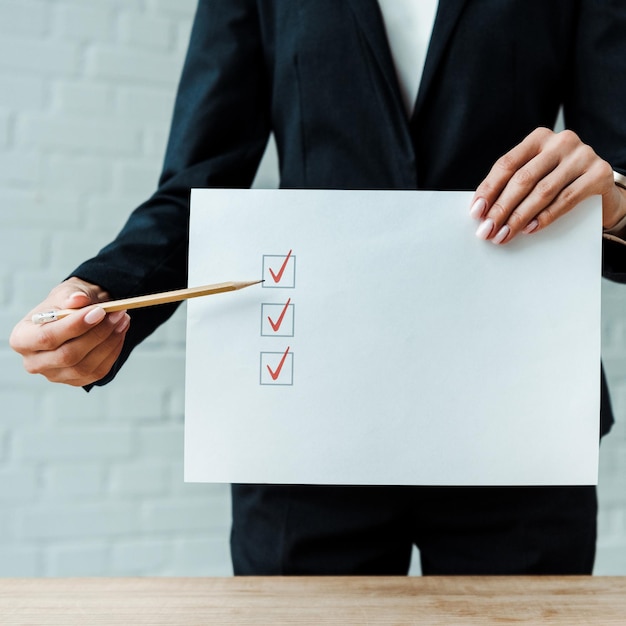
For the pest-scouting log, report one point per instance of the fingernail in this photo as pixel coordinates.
(484, 230)
(95, 315)
(531, 226)
(478, 208)
(116, 316)
(124, 325)
(502, 234)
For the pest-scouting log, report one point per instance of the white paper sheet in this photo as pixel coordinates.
(389, 345)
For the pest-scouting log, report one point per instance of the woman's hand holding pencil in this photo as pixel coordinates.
(79, 349)
(137, 302)
(87, 338)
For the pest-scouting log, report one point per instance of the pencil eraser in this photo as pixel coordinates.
(44, 318)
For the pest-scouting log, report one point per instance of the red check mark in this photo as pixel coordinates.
(279, 321)
(275, 374)
(281, 271)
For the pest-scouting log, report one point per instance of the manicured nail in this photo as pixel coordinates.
(116, 316)
(95, 315)
(124, 325)
(531, 226)
(484, 230)
(502, 234)
(478, 209)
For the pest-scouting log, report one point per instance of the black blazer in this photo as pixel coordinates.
(319, 75)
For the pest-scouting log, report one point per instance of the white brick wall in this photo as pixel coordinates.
(91, 484)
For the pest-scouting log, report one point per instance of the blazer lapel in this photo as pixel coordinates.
(370, 20)
(448, 14)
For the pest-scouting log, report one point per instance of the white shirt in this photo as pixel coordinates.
(409, 25)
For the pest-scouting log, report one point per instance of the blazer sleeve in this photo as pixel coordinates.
(595, 104)
(219, 131)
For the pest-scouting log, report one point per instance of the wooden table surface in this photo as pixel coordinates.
(327, 600)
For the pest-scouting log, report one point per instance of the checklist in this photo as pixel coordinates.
(387, 344)
(277, 319)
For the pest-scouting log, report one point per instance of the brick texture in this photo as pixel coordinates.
(92, 484)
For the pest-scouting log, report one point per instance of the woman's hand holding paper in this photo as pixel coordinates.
(538, 181)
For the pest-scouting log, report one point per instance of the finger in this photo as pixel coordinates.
(29, 338)
(504, 169)
(77, 287)
(74, 363)
(577, 175)
(71, 294)
(516, 208)
(530, 189)
(72, 351)
(552, 194)
(77, 300)
(95, 365)
(565, 200)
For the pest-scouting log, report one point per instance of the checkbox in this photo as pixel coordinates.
(277, 368)
(277, 320)
(279, 271)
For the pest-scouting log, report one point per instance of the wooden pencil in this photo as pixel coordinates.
(149, 300)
